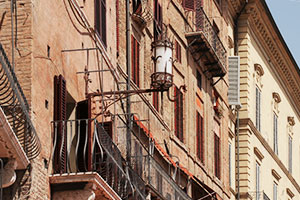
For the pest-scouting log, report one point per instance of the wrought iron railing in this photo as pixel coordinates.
(202, 23)
(153, 174)
(16, 108)
(75, 146)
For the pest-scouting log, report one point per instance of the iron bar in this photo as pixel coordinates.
(141, 91)
(91, 71)
(84, 49)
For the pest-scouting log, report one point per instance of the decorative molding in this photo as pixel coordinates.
(278, 55)
(248, 122)
(259, 70)
(290, 193)
(291, 120)
(276, 175)
(258, 153)
(276, 97)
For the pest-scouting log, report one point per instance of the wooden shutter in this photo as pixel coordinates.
(200, 137)
(178, 114)
(158, 20)
(177, 51)
(217, 156)
(135, 59)
(60, 115)
(188, 4)
(155, 100)
(100, 19)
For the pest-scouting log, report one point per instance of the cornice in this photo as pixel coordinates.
(277, 53)
(248, 122)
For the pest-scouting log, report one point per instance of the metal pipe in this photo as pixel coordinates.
(238, 150)
(128, 63)
(236, 32)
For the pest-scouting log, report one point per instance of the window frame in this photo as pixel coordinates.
(200, 137)
(178, 114)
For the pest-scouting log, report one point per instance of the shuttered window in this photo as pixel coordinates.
(257, 187)
(60, 115)
(188, 4)
(178, 114)
(100, 19)
(290, 154)
(275, 133)
(135, 59)
(155, 100)
(200, 137)
(177, 51)
(257, 109)
(158, 21)
(275, 191)
(217, 157)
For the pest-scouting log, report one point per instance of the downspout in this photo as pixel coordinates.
(128, 64)
(236, 52)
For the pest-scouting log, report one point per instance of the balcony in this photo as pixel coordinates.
(18, 138)
(206, 45)
(86, 159)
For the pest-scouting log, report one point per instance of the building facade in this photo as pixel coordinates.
(98, 135)
(129, 100)
(269, 113)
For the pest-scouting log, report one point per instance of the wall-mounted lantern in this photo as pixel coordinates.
(162, 78)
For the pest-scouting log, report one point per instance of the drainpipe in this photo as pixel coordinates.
(236, 32)
(128, 64)
(236, 52)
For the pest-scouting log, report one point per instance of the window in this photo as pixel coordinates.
(188, 4)
(199, 80)
(177, 51)
(257, 107)
(178, 113)
(135, 59)
(155, 100)
(290, 153)
(257, 187)
(100, 19)
(217, 157)
(275, 191)
(275, 133)
(157, 20)
(200, 137)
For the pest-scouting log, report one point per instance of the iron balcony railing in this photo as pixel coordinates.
(16, 108)
(202, 23)
(84, 146)
(154, 175)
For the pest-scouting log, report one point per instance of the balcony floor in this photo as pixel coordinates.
(9, 144)
(202, 50)
(92, 181)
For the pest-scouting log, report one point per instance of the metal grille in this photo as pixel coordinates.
(16, 108)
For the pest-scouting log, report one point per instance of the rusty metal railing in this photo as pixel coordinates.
(202, 23)
(16, 108)
(74, 144)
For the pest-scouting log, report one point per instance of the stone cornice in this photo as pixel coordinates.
(248, 122)
(278, 55)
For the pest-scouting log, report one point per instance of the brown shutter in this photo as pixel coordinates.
(176, 113)
(155, 100)
(100, 19)
(135, 59)
(188, 4)
(60, 115)
(181, 115)
(103, 21)
(200, 137)
(217, 156)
